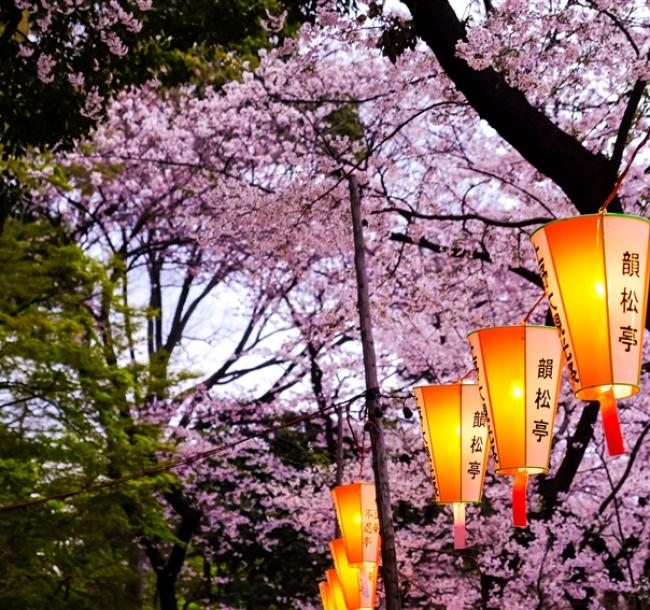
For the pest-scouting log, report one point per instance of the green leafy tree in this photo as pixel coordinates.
(65, 422)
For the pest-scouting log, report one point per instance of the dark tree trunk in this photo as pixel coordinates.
(586, 178)
(389, 569)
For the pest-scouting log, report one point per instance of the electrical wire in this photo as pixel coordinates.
(176, 463)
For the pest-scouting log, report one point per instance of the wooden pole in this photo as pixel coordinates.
(379, 466)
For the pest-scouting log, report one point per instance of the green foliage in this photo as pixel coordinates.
(270, 578)
(298, 448)
(206, 42)
(65, 422)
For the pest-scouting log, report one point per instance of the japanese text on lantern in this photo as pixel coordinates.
(629, 301)
(477, 444)
(543, 413)
(543, 370)
(370, 526)
(484, 418)
(558, 318)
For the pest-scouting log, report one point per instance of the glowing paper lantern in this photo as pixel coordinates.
(336, 598)
(456, 440)
(325, 596)
(595, 273)
(359, 585)
(519, 371)
(356, 511)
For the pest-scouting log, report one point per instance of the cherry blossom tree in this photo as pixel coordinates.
(523, 113)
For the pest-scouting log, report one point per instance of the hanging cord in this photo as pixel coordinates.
(362, 454)
(533, 308)
(147, 472)
(465, 376)
(603, 208)
(366, 425)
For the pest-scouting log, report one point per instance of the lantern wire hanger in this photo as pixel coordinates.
(533, 308)
(603, 208)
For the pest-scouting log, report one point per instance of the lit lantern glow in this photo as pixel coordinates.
(456, 440)
(359, 585)
(519, 371)
(335, 592)
(356, 511)
(326, 596)
(595, 273)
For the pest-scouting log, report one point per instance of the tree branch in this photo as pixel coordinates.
(626, 122)
(585, 177)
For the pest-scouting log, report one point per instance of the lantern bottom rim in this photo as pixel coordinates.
(596, 392)
(512, 470)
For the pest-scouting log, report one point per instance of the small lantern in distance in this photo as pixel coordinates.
(331, 593)
(519, 371)
(359, 585)
(456, 440)
(356, 511)
(595, 273)
(325, 596)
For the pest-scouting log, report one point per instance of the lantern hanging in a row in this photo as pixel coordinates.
(595, 273)
(519, 371)
(359, 584)
(326, 597)
(333, 592)
(456, 440)
(356, 511)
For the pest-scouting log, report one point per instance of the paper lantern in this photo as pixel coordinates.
(456, 440)
(595, 273)
(356, 511)
(519, 371)
(359, 585)
(336, 598)
(326, 596)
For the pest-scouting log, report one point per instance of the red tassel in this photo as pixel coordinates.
(460, 531)
(611, 425)
(519, 516)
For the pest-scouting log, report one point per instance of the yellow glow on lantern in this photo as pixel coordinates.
(356, 511)
(359, 585)
(595, 272)
(454, 430)
(519, 369)
(326, 596)
(336, 597)
(455, 438)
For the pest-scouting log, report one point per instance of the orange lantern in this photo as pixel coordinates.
(359, 585)
(595, 273)
(335, 591)
(325, 596)
(356, 511)
(456, 441)
(519, 372)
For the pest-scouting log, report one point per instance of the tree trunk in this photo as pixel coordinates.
(586, 178)
(380, 468)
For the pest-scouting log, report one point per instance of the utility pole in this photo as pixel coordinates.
(379, 466)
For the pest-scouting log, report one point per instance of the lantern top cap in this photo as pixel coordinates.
(478, 330)
(601, 214)
(444, 385)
